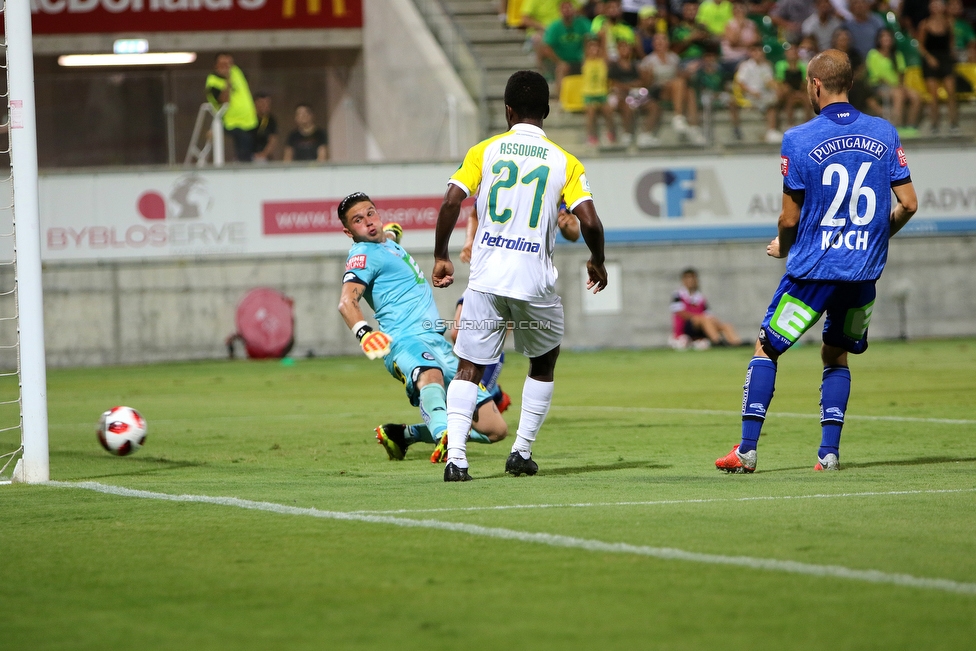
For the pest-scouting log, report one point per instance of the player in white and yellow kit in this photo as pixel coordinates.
(523, 177)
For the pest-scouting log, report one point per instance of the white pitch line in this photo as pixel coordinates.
(703, 500)
(785, 414)
(554, 540)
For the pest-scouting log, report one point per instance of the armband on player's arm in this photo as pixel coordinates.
(375, 344)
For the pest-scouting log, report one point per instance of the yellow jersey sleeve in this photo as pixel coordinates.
(577, 188)
(468, 176)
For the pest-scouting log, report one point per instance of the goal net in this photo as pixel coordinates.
(23, 378)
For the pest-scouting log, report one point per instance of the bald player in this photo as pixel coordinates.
(839, 172)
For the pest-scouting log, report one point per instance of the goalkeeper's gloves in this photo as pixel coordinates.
(375, 344)
(394, 229)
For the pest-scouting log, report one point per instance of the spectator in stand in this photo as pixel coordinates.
(307, 142)
(912, 13)
(610, 29)
(863, 27)
(936, 45)
(228, 85)
(715, 15)
(661, 72)
(595, 91)
(757, 83)
(630, 10)
(649, 23)
(689, 38)
(964, 35)
(627, 92)
(693, 324)
(707, 89)
(537, 15)
(740, 34)
(808, 48)
(265, 135)
(886, 69)
(861, 95)
(563, 42)
(788, 16)
(791, 77)
(822, 23)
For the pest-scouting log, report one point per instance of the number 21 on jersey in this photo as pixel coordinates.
(508, 179)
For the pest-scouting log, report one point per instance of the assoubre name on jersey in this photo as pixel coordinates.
(845, 163)
(523, 176)
(395, 287)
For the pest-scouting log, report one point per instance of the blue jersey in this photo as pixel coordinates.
(395, 288)
(845, 163)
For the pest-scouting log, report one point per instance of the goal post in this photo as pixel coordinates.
(34, 466)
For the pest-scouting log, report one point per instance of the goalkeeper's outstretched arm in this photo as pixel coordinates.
(374, 343)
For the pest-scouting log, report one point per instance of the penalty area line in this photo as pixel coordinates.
(551, 540)
(772, 414)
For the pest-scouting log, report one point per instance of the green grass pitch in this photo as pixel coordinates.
(626, 457)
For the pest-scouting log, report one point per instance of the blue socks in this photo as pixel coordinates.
(834, 392)
(756, 396)
(433, 409)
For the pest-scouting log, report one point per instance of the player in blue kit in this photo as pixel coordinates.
(380, 271)
(839, 172)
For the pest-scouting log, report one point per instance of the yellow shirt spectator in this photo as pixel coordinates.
(715, 15)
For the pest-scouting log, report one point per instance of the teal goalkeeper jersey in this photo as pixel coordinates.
(395, 288)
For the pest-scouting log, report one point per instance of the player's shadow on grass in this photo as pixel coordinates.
(918, 461)
(579, 470)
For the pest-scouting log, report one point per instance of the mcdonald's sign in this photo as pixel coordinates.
(113, 16)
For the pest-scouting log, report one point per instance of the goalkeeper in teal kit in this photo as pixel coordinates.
(839, 171)
(414, 349)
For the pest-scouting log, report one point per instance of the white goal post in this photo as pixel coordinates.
(34, 466)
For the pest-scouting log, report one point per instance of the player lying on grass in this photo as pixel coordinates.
(414, 351)
(839, 171)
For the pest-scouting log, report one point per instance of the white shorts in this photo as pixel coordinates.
(485, 319)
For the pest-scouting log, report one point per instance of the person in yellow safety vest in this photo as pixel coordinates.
(228, 85)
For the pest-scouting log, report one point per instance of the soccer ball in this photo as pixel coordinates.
(121, 430)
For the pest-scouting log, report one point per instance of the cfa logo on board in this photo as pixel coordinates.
(188, 199)
(681, 192)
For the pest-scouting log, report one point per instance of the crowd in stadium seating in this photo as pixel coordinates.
(625, 61)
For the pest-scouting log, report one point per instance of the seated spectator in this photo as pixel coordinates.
(610, 29)
(536, 16)
(936, 44)
(886, 69)
(307, 142)
(715, 15)
(740, 34)
(808, 48)
(563, 42)
(791, 77)
(689, 38)
(661, 72)
(861, 95)
(788, 16)
(265, 135)
(595, 91)
(822, 24)
(707, 88)
(649, 23)
(627, 93)
(863, 27)
(692, 323)
(963, 32)
(757, 85)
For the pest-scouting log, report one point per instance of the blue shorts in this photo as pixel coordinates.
(410, 356)
(798, 304)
